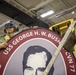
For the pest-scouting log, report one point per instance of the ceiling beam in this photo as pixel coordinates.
(20, 16)
(20, 7)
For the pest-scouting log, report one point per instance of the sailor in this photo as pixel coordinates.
(10, 30)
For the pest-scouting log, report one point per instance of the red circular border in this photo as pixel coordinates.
(4, 58)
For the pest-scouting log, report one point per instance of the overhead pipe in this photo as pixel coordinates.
(4, 23)
(62, 13)
(41, 5)
(66, 11)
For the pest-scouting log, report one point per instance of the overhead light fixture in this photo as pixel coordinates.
(47, 13)
(73, 12)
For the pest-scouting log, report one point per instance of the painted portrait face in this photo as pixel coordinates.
(36, 64)
(35, 61)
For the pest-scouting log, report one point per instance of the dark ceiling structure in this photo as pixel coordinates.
(20, 16)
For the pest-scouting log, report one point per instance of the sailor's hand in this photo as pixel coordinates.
(4, 45)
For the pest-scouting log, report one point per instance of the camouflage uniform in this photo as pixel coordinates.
(71, 41)
(4, 39)
(70, 44)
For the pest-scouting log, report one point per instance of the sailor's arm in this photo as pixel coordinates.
(3, 45)
(3, 42)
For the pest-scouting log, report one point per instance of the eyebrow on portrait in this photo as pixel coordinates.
(41, 69)
(28, 67)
